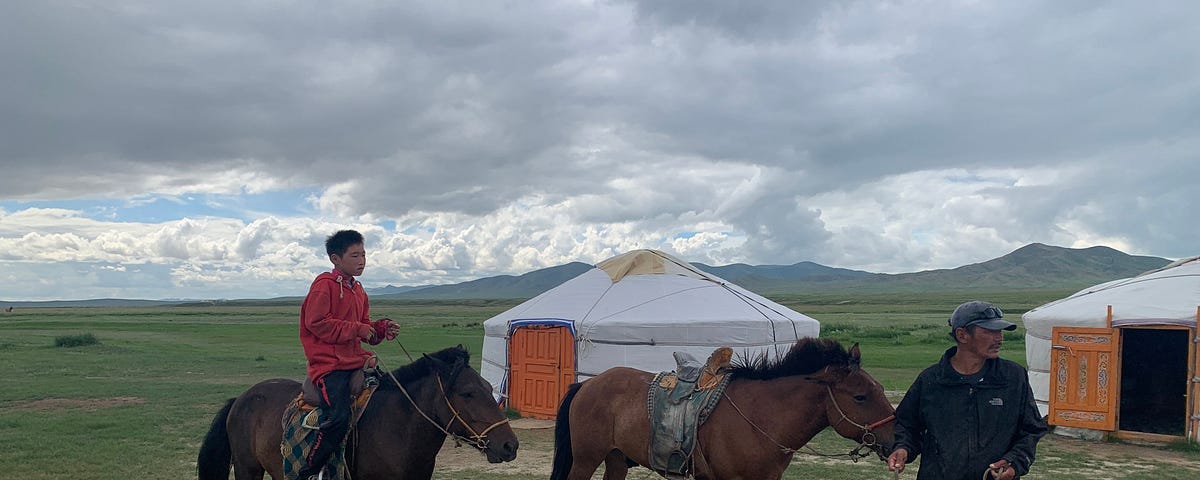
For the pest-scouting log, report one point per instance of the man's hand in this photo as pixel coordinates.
(897, 460)
(391, 330)
(1001, 470)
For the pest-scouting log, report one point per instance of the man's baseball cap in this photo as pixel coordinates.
(979, 313)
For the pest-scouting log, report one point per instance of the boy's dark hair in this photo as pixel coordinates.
(339, 242)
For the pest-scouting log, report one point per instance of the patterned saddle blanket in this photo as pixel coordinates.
(678, 403)
(301, 422)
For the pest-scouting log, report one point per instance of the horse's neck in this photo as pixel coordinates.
(401, 436)
(790, 409)
(419, 414)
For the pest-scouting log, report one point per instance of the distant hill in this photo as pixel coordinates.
(1034, 266)
(766, 277)
(98, 302)
(1029, 267)
(390, 289)
(503, 286)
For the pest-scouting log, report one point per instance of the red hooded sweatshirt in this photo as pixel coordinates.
(334, 318)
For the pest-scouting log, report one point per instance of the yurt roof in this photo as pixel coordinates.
(646, 286)
(1166, 296)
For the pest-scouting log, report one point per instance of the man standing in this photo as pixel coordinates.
(972, 411)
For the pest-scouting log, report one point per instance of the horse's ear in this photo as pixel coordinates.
(855, 355)
(434, 360)
(461, 347)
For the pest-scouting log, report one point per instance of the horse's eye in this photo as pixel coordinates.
(467, 394)
(860, 398)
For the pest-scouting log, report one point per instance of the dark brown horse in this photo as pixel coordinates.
(770, 409)
(394, 440)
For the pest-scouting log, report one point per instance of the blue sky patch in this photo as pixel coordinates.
(166, 208)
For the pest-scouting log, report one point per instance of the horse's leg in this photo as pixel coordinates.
(584, 464)
(615, 467)
(243, 470)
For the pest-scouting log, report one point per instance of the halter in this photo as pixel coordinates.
(478, 440)
(867, 439)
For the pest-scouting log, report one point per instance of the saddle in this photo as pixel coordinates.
(311, 395)
(702, 375)
(678, 403)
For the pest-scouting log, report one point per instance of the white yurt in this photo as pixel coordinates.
(631, 310)
(1121, 356)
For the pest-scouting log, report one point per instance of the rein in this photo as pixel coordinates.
(478, 440)
(866, 441)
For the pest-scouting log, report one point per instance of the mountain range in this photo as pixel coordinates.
(1034, 266)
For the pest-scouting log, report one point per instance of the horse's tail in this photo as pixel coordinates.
(562, 436)
(215, 453)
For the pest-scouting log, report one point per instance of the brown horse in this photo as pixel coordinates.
(770, 409)
(397, 438)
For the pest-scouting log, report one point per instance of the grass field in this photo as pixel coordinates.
(137, 402)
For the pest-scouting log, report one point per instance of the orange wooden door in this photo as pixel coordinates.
(542, 366)
(1084, 376)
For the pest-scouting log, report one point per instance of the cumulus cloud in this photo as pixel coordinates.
(500, 138)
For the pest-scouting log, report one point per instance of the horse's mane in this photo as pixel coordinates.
(423, 366)
(807, 356)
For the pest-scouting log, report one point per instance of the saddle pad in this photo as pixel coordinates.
(300, 422)
(677, 409)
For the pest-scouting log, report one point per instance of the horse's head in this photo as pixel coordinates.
(857, 407)
(469, 411)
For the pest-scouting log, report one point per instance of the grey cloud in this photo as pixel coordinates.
(456, 107)
(751, 21)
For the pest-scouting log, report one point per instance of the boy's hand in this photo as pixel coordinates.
(391, 329)
(367, 334)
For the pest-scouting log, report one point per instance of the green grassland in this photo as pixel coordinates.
(137, 403)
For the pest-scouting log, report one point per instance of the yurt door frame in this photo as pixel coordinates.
(1194, 415)
(1085, 379)
(541, 361)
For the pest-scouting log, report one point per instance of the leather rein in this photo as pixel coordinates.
(478, 440)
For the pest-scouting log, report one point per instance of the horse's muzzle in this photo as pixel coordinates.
(505, 452)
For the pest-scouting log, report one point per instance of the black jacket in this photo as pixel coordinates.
(958, 428)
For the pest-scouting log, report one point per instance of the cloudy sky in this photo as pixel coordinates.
(172, 149)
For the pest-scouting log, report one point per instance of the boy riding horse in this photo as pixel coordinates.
(334, 320)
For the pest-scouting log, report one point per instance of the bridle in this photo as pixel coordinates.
(867, 438)
(478, 440)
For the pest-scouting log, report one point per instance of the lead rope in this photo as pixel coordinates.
(854, 455)
(782, 448)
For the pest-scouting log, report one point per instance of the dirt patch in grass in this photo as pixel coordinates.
(1116, 453)
(86, 404)
(1058, 457)
(534, 456)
